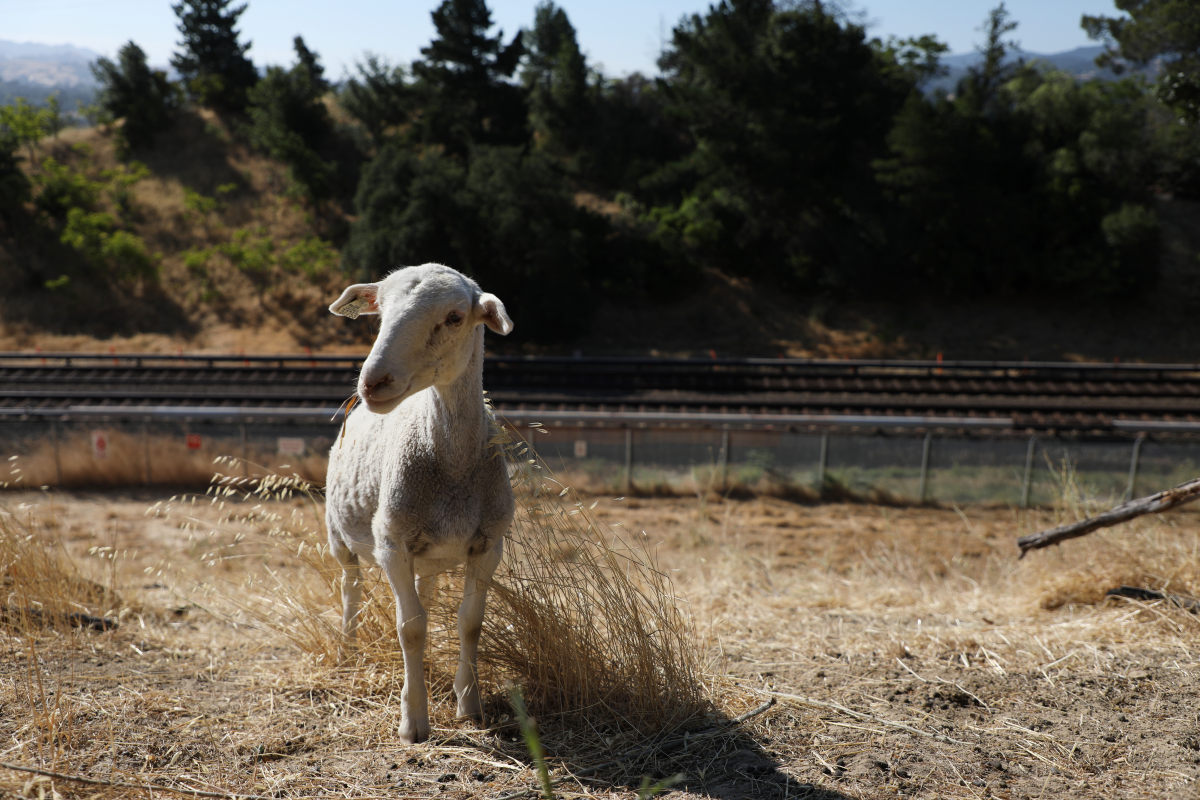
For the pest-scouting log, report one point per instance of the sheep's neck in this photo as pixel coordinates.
(460, 425)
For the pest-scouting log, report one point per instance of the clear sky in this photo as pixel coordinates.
(622, 35)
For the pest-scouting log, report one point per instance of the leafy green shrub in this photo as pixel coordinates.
(311, 256)
(96, 235)
(253, 251)
(63, 188)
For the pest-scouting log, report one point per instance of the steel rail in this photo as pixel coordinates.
(1038, 395)
(652, 362)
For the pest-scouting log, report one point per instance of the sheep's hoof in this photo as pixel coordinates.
(470, 711)
(412, 732)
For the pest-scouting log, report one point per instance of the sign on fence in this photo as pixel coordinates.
(100, 444)
(193, 441)
(291, 446)
(581, 448)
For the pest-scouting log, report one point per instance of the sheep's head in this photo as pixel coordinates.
(429, 320)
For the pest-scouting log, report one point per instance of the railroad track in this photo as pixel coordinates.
(1015, 395)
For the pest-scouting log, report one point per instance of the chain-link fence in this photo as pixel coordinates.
(942, 467)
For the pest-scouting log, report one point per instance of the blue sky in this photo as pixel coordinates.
(623, 35)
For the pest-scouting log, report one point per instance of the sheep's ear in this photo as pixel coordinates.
(358, 299)
(491, 313)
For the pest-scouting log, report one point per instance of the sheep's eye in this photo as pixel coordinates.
(453, 318)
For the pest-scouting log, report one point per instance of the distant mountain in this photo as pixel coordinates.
(58, 65)
(1080, 62)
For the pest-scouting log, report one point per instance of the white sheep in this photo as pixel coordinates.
(413, 484)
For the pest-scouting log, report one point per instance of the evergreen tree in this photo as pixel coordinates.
(466, 97)
(1166, 29)
(380, 97)
(505, 218)
(213, 62)
(787, 105)
(289, 120)
(1024, 180)
(555, 77)
(142, 96)
(310, 63)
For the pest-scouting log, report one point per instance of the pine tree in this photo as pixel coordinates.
(213, 63)
(1156, 29)
(464, 80)
(555, 76)
(310, 63)
(130, 89)
(289, 120)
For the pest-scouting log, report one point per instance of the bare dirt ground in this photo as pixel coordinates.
(907, 649)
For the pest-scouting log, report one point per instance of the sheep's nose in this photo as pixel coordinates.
(372, 387)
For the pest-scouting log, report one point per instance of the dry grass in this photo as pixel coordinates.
(907, 637)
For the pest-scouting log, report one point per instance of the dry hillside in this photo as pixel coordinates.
(268, 276)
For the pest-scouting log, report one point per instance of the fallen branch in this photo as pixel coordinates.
(15, 615)
(1163, 501)
(143, 787)
(663, 747)
(1146, 595)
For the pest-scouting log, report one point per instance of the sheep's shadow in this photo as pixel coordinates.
(718, 759)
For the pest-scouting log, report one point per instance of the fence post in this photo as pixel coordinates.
(245, 451)
(629, 459)
(1133, 465)
(724, 466)
(146, 451)
(822, 461)
(924, 467)
(57, 463)
(1028, 471)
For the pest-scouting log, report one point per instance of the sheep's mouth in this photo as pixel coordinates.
(382, 405)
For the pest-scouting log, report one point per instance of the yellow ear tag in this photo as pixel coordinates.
(353, 308)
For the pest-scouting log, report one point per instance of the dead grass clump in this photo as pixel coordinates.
(580, 615)
(42, 587)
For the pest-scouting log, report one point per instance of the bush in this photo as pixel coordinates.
(63, 188)
(123, 254)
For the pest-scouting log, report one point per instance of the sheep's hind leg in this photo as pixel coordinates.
(351, 589)
(411, 623)
(479, 573)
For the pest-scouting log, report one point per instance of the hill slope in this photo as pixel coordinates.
(243, 270)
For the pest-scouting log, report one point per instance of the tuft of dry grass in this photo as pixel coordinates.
(41, 586)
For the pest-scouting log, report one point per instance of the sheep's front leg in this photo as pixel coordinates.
(351, 589)
(479, 573)
(411, 624)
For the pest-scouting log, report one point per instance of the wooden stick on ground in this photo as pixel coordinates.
(1183, 493)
